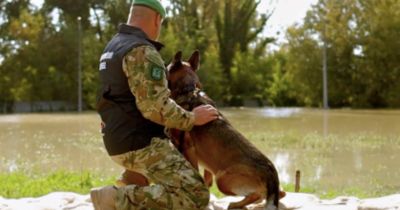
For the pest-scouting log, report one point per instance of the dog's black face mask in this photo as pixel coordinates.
(182, 78)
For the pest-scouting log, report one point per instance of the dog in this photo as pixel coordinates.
(238, 166)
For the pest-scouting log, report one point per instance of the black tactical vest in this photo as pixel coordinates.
(124, 128)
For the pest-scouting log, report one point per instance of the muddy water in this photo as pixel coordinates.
(337, 149)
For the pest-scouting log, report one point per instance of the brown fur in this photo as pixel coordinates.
(238, 166)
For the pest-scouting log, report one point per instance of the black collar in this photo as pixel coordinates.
(127, 29)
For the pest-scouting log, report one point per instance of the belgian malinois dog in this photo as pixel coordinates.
(238, 166)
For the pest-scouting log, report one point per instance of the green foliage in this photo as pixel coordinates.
(280, 91)
(211, 75)
(39, 55)
(361, 48)
(304, 66)
(237, 26)
(250, 75)
(192, 23)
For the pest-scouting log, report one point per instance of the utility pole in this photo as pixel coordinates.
(325, 71)
(79, 66)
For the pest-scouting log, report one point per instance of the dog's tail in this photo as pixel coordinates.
(273, 190)
(272, 200)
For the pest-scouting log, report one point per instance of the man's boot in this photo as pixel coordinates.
(103, 198)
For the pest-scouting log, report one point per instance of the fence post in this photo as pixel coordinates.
(297, 184)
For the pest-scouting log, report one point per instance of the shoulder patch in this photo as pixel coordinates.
(156, 72)
(153, 56)
(155, 64)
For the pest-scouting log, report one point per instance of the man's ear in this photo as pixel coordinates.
(194, 60)
(158, 21)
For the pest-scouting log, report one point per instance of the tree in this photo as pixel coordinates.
(238, 25)
(304, 66)
(378, 64)
(192, 22)
(361, 45)
(19, 32)
(281, 90)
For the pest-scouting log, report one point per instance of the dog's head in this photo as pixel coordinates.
(182, 77)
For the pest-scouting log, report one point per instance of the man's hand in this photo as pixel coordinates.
(204, 114)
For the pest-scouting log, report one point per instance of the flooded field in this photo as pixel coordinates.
(341, 150)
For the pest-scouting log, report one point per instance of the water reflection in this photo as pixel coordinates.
(325, 123)
(279, 112)
(357, 157)
(318, 173)
(282, 164)
(333, 149)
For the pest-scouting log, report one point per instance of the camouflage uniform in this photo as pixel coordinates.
(177, 185)
(145, 71)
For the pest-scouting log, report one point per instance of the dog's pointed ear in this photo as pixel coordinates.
(177, 58)
(194, 60)
(176, 62)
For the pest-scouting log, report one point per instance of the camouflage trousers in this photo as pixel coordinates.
(176, 184)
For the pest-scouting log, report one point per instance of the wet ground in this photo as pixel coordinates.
(336, 149)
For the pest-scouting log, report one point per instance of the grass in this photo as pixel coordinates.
(20, 184)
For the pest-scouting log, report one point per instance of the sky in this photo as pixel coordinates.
(285, 14)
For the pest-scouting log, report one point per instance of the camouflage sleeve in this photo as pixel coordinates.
(145, 71)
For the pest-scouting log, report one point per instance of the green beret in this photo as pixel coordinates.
(153, 4)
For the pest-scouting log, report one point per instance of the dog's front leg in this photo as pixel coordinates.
(208, 178)
(189, 151)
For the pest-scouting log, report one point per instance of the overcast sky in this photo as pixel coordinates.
(286, 13)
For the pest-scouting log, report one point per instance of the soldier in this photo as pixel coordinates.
(134, 105)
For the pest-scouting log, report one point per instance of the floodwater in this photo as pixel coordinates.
(334, 150)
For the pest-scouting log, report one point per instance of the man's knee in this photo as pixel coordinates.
(204, 199)
(201, 197)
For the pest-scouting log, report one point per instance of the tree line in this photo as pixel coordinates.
(39, 48)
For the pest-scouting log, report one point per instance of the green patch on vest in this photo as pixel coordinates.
(156, 72)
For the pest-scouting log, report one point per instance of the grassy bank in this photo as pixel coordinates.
(19, 184)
